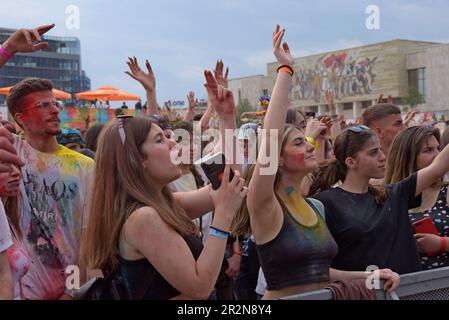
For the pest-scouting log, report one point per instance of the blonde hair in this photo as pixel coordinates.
(241, 224)
(121, 186)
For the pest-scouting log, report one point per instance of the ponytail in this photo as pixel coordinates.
(379, 192)
(329, 173)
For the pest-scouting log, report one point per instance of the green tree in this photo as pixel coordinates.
(243, 106)
(414, 97)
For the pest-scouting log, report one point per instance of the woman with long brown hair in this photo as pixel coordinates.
(139, 227)
(18, 258)
(412, 150)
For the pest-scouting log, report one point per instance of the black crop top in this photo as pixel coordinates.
(298, 255)
(155, 286)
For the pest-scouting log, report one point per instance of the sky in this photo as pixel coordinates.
(182, 38)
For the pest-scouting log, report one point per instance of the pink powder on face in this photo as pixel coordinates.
(299, 157)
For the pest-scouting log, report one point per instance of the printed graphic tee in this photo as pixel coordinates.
(55, 189)
(5, 232)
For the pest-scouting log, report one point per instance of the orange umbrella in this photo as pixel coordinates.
(107, 93)
(57, 93)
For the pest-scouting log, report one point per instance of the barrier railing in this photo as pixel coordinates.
(425, 285)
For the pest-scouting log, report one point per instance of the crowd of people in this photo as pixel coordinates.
(342, 197)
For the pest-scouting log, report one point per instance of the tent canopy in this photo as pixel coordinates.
(59, 94)
(107, 93)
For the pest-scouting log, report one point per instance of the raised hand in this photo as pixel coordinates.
(147, 80)
(218, 72)
(315, 128)
(26, 40)
(330, 100)
(219, 97)
(191, 100)
(211, 86)
(342, 122)
(229, 197)
(380, 99)
(328, 123)
(283, 55)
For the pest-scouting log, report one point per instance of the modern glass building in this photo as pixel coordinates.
(59, 62)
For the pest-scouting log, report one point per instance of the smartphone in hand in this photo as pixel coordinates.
(425, 225)
(310, 114)
(214, 166)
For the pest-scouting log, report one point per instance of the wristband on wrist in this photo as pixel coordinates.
(5, 54)
(313, 142)
(442, 244)
(286, 68)
(215, 232)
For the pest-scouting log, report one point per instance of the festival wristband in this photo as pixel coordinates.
(5, 54)
(443, 244)
(313, 142)
(215, 232)
(286, 68)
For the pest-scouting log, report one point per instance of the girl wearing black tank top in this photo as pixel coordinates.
(294, 245)
(138, 226)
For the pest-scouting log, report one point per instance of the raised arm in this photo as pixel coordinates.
(430, 174)
(223, 103)
(24, 40)
(148, 82)
(335, 129)
(410, 117)
(315, 134)
(168, 252)
(221, 79)
(195, 203)
(191, 99)
(262, 184)
(8, 153)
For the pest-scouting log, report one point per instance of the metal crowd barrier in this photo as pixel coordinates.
(425, 285)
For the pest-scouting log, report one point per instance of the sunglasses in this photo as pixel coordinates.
(121, 129)
(355, 129)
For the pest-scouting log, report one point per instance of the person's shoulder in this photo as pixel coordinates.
(146, 219)
(79, 157)
(328, 195)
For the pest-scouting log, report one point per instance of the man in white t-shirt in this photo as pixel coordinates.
(54, 190)
(6, 281)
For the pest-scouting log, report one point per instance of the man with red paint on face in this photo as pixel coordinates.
(54, 188)
(55, 180)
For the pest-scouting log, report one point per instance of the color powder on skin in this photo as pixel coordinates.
(289, 190)
(299, 157)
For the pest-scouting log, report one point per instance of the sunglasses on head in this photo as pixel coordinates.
(355, 129)
(358, 129)
(121, 130)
